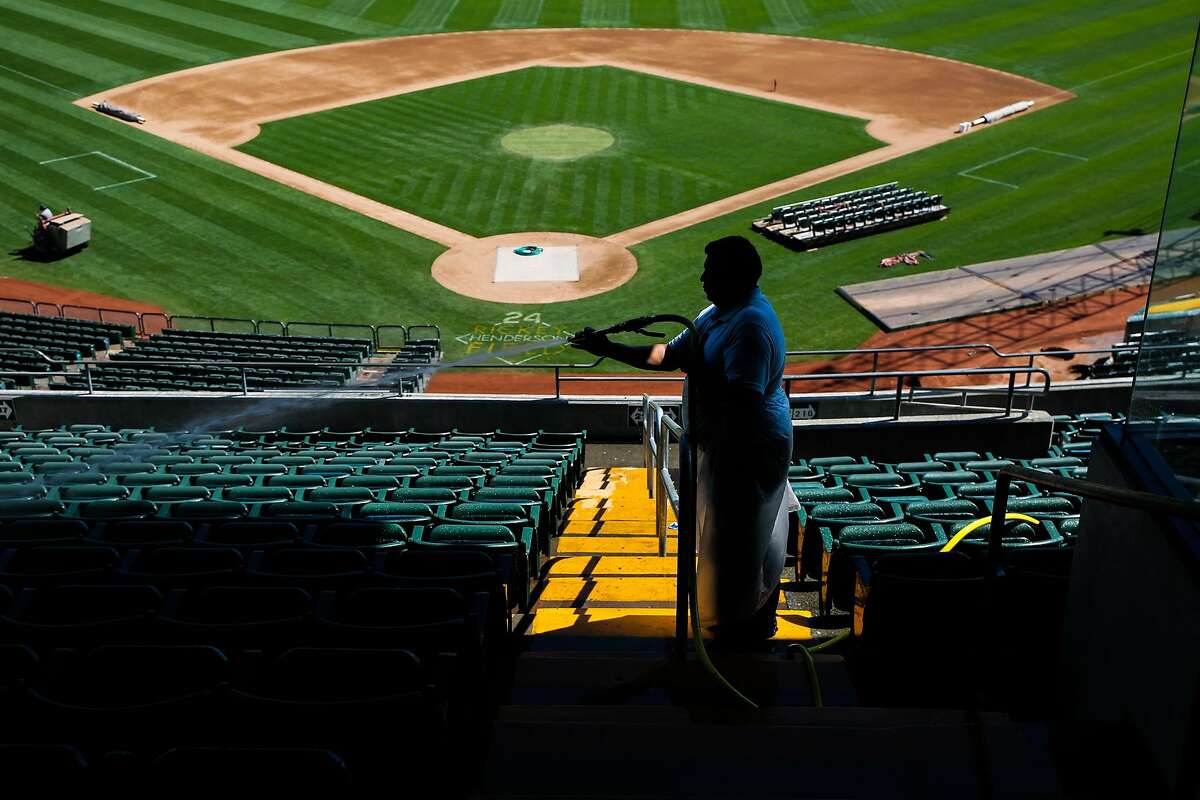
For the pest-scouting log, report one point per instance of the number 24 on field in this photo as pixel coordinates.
(515, 318)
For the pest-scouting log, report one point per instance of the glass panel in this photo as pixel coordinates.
(1165, 405)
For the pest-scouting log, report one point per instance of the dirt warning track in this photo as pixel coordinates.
(910, 100)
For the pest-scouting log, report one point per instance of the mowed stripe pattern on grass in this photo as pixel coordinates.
(204, 238)
(438, 153)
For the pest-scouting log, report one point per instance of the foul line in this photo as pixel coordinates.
(39, 80)
(966, 173)
(1131, 69)
(145, 175)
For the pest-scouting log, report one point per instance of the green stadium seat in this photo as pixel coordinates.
(341, 495)
(117, 509)
(176, 494)
(149, 479)
(222, 480)
(406, 512)
(93, 492)
(383, 482)
(867, 541)
(297, 481)
(22, 491)
(210, 509)
(259, 469)
(300, 509)
(361, 534)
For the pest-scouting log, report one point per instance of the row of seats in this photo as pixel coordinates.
(825, 220)
(305, 361)
(364, 619)
(931, 626)
(1160, 353)
(375, 706)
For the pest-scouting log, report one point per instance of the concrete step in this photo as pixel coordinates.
(665, 752)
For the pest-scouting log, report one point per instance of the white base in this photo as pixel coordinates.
(560, 264)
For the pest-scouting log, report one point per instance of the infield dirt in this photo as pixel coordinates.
(911, 101)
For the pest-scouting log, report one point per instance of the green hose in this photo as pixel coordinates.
(698, 639)
(810, 666)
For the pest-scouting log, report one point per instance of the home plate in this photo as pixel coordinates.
(559, 264)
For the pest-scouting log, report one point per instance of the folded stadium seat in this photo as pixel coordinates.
(133, 695)
(1053, 464)
(204, 510)
(76, 615)
(247, 534)
(257, 495)
(212, 770)
(467, 572)
(290, 461)
(987, 465)
(342, 495)
(889, 486)
(366, 534)
(516, 554)
(800, 472)
(20, 532)
(317, 453)
(15, 492)
(943, 485)
(311, 568)
(227, 459)
(132, 467)
(824, 462)
(297, 436)
(194, 469)
(221, 480)
(261, 453)
(39, 461)
(12, 472)
(144, 479)
(330, 471)
(373, 482)
(175, 494)
(834, 516)
(183, 565)
(957, 456)
(1044, 507)
(302, 510)
(425, 437)
(304, 694)
(458, 469)
(409, 513)
(23, 508)
(514, 516)
(256, 470)
(937, 598)
(814, 495)
(370, 435)
(842, 471)
(456, 482)
(453, 447)
(50, 565)
(142, 533)
(530, 498)
(435, 498)
(54, 469)
(297, 481)
(919, 467)
(398, 471)
(114, 509)
(869, 542)
(1068, 529)
(942, 511)
(498, 458)
(237, 617)
(986, 489)
(1017, 534)
(426, 620)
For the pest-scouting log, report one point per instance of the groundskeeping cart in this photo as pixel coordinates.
(62, 234)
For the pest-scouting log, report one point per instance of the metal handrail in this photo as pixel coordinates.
(33, 350)
(1127, 498)
(657, 429)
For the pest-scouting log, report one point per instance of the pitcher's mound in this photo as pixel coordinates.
(475, 269)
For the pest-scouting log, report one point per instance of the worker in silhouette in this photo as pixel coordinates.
(742, 432)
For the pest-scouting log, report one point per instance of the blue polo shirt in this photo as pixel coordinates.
(743, 346)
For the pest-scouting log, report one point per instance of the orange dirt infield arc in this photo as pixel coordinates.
(45, 293)
(1086, 323)
(911, 100)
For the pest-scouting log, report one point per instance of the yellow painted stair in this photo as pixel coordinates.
(606, 577)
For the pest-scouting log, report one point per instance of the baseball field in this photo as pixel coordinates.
(322, 183)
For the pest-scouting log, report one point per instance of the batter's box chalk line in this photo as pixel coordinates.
(966, 173)
(145, 175)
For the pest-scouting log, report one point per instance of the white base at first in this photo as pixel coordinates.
(559, 264)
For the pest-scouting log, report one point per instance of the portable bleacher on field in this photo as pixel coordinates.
(850, 215)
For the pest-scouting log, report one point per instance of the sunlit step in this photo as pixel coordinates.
(610, 566)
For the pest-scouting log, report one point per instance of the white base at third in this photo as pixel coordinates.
(552, 264)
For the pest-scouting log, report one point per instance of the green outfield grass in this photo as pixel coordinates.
(206, 238)
(440, 153)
